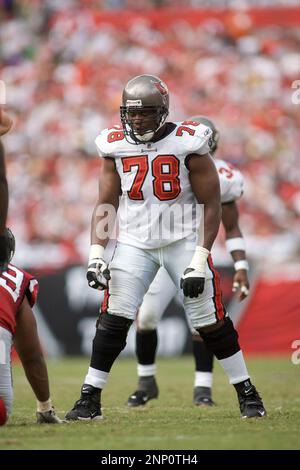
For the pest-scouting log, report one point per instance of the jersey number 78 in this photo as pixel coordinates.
(165, 172)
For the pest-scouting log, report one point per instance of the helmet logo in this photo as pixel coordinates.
(162, 88)
(134, 103)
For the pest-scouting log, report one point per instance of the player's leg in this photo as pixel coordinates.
(202, 394)
(6, 390)
(155, 302)
(204, 360)
(132, 271)
(209, 317)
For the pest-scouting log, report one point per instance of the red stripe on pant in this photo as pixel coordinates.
(220, 311)
(104, 305)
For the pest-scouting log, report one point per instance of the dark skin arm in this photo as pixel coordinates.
(5, 125)
(3, 191)
(29, 349)
(206, 187)
(230, 220)
(109, 191)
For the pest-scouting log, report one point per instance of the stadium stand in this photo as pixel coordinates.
(64, 64)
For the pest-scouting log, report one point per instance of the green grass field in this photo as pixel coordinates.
(172, 421)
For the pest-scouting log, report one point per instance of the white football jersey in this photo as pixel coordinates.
(231, 181)
(157, 206)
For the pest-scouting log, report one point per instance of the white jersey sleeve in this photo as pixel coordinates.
(231, 181)
(199, 142)
(108, 141)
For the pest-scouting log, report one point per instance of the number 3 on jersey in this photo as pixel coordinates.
(165, 171)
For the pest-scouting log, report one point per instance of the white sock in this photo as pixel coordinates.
(44, 406)
(235, 368)
(96, 378)
(203, 379)
(146, 371)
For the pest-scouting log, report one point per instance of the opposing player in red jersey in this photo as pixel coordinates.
(18, 292)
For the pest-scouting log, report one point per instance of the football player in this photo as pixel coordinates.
(5, 126)
(162, 290)
(169, 215)
(18, 291)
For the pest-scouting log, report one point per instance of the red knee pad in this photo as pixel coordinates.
(3, 413)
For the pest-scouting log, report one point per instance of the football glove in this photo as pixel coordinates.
(97, 273)
(192, 282)
(193, 279)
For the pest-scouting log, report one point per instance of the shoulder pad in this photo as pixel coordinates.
(109, 141)
(26, 285)
(31, 287)
(195, 136)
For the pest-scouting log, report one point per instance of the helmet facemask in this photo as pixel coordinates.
(11, 243)
(149, 124)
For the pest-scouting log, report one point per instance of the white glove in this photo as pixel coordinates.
(97, 272)
(193, 279)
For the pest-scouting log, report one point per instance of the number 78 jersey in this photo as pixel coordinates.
(157, 205)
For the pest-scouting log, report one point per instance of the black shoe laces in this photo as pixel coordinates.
(251, 399)
(85, 402)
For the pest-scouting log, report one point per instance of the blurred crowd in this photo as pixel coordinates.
(65, 71)
(59, 5)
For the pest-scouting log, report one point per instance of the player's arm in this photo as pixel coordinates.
(103, 222)
(3, 192)
(235, 244)
(206, 187)
(29, 349)
(5, 125)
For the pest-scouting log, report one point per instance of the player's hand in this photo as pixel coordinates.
(98, 274)
(5, 122)
(241, 284)
(48, 417)
(192, 282)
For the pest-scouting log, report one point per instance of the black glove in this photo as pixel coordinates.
(192, 282)
(98, 274)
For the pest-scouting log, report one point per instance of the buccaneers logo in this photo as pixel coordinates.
(161, 88)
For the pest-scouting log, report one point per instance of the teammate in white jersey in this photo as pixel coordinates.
(162, 291)
(164, 174)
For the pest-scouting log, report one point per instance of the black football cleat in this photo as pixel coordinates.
(251, 405)
(88, 406)
(202, 396)
(148, 390)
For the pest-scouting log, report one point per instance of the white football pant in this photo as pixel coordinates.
(133, 270)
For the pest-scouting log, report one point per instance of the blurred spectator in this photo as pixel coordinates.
(64, 72)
